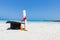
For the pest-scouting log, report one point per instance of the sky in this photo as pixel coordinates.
(36, 9)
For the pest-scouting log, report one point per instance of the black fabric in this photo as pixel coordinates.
(14, 25)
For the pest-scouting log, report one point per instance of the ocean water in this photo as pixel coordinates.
(4, 21)
(40, 21)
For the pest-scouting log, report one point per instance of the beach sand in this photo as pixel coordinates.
(36, 31)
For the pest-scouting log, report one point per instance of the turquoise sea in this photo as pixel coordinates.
(29, 20)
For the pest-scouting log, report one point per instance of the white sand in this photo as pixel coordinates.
(36, 31)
